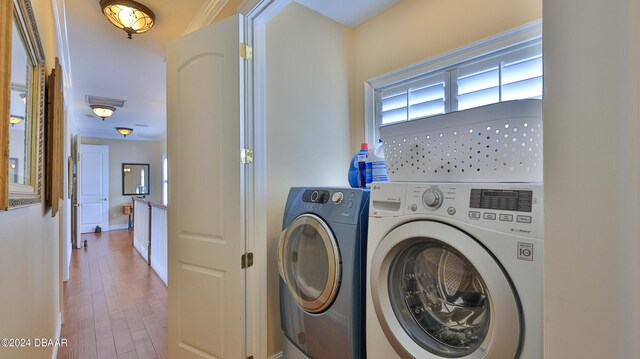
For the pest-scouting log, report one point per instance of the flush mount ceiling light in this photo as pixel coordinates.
(15, 120)
(124, 131)
(103, 111)
(128, 15)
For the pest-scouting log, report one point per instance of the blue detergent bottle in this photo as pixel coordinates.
(354, 173)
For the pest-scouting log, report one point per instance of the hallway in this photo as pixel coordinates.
(115, 306)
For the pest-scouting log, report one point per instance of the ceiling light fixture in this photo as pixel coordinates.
(15, 120)
(127, 170)
(103, 111)
(128, 15)
(124, 131)
(23, 96)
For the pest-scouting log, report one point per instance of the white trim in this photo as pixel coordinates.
(164, 177)
(54, 352)
(491, 44)
(58, 8)
(117, 227)
(257, 13)
(276, 356)
(205, 15)
(369, 113)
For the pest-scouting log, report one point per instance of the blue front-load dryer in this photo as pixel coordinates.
(322, 262)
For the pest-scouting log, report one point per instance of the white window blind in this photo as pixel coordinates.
(511, 73)
(414, 99)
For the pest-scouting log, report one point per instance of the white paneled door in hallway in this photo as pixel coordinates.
(206, 295)
(93, 186)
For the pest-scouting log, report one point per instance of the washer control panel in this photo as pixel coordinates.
(432, 198)
(506, 207)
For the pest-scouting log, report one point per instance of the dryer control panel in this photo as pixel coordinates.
(505, 207)
(315, 196)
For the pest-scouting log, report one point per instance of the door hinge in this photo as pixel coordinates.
(246, 155)
(246, 260)
(246, 52)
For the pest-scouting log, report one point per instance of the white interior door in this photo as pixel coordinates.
(94, 187)
(206, 295)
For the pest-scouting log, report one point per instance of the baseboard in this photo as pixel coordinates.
(276, 356)
(115, 227)
(54, 352)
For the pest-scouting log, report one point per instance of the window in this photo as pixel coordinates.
(413, 99)
(165, 180)
(501, 68)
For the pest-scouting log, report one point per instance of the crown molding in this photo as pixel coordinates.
(205, 15)
(58, 8)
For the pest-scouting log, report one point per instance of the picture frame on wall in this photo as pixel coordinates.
(55, 140)
(22, 106)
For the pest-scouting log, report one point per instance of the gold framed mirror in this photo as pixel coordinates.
(22, 98)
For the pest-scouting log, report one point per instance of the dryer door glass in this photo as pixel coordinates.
(439, 298)
(310, 263)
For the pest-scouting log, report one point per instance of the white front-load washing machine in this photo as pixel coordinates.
(454, 270)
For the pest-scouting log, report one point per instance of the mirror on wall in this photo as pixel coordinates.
(18, 117)
(22, 88)
(135, 179)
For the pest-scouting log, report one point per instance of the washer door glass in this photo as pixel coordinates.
(439, 298)
(309, 262)
(438, 293)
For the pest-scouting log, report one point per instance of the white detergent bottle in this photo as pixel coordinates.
(376, 167)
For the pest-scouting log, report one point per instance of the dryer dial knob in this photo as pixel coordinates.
(432, 198)
(337, 197)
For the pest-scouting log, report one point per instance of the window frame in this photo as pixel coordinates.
(165, 179)
(519, 35)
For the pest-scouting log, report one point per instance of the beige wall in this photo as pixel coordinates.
(29, 253)
(129, 151)
(417, 30)
(308, 67)
(230, 9)
(592, 179)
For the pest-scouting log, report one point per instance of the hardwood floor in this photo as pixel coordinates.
(115, 306)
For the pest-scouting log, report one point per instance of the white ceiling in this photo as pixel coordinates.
(104, 63)
(350, 13)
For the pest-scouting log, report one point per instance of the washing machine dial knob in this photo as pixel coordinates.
(337, 197)
(432, 198)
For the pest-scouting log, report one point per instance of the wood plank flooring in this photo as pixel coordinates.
(115, 306)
